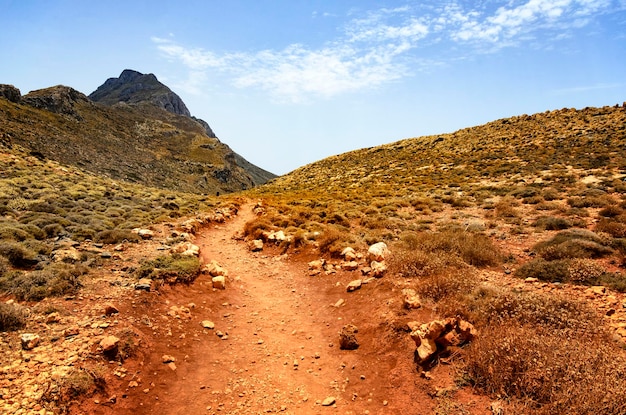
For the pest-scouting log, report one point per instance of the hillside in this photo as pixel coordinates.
(141, 141)
(502, 288)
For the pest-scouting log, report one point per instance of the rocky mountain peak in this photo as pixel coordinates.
(133, 87)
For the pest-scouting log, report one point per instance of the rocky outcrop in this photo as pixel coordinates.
(11, 93)
(58, 99)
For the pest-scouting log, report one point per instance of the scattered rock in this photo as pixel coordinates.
(349, 254)
(186, 249)
(411, 299)
(339, 303)
(318, 264)
(377, 252)
(256, 245)
(350, 266)
(109, 343)
(219, 282)
(329, 401)
(166, 358)
(378, 269)
(144, 233)
(354, 285)
(438, 335)
(110, 309)
(347, 337)
(144, 284)
(69, 254)
(214, 269)
(29, 341)
(208, 324)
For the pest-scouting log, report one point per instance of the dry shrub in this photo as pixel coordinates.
(333, 240)
(172, 268)
(12, 317)
(417, 263)
(447, 286)
(552, 223)
(551, 372)
(17, 254)
(115, 236)
(505, 208)
(584, 271)
(573, 243)
(488, 305)
(256, 227)
(612, 227)
(552, 271)
(473, 248)
(53, 281)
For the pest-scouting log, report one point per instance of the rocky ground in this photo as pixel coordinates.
(267, 343)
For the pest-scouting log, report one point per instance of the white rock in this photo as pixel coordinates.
(377, 252)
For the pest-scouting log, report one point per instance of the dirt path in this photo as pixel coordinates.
(280, 350)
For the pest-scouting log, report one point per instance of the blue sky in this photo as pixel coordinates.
(286, 83)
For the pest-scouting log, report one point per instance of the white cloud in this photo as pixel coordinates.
(376, 48)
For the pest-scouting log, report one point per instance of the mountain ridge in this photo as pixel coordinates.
(142, 140)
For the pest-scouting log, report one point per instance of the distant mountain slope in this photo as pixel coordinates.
(138, 142)
(555, 146)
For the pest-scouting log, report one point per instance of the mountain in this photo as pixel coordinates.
(132, 128)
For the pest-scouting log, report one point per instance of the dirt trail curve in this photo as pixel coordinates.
(280, 352)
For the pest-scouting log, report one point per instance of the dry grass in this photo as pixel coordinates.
(550, 373)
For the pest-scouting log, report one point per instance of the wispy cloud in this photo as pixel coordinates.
(381, 46)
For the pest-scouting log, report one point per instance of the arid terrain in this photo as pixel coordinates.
(478, 272)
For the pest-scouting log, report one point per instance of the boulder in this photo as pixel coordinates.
(29, 341)
(109, 343)
(207, 324)
(377, 252)
(144, 233)
(347, 337)
(354, 285)
(438, 335)
(110, 309)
